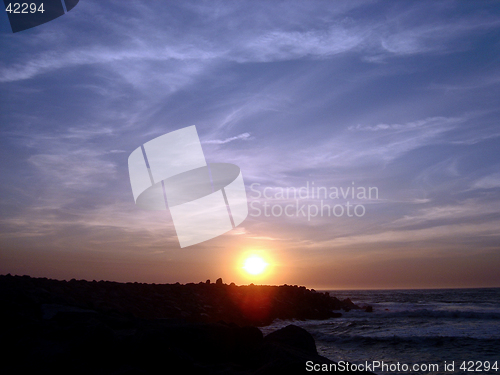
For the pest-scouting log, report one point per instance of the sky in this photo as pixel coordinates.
(400, 97)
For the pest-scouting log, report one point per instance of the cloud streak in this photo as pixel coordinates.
(371, 38)
(243, 136)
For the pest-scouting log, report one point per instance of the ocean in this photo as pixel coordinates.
(429, 331)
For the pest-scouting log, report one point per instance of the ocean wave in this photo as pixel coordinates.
(448, 314)
(431, 341)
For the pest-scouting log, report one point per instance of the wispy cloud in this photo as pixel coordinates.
(290, 45)
(442, 122)
(79, 170)
(445, 214)
(261, 42)
(490, 181)
(243, 136)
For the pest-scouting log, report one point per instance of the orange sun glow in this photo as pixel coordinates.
(254, 265)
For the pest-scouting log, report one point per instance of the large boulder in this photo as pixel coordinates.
(294, 337)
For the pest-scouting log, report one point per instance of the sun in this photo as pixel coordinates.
(254, 265)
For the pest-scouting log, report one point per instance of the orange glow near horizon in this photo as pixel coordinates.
(255, 266)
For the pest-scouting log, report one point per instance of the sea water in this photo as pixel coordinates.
(455, 330)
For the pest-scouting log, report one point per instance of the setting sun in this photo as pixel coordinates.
(254, 265)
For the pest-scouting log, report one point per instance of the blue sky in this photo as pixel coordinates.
(402, 96)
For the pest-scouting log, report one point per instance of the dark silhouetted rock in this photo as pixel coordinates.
(80, 327)
(203, 302)
(295, 337)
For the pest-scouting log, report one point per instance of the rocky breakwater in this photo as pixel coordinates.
(250, 304)
(81, 327)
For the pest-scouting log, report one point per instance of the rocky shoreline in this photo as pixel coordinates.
(77, 327)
